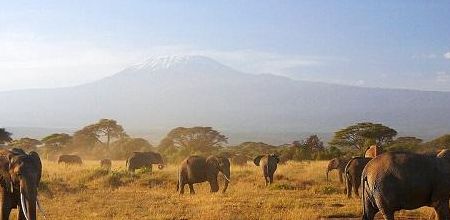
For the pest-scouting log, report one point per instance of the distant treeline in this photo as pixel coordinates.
(108, 139)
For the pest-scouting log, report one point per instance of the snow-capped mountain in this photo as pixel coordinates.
(166, 92)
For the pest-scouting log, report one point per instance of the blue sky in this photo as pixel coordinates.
(393, 44)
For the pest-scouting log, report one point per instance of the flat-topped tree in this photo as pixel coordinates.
(194, 140)
(57, 139)
(359, 135)
(105, 128)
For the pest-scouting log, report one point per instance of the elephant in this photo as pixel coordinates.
(144, 159)
(105, 164)
(400, 180)
(373, 151)
(268, 165)
(20, 177)
(339, 164)
(198, 169)
(70, 159)
(353, 171)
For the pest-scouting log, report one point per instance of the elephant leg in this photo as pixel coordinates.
(5, 212)
(369, 210)
(150, 168)
(388, 215)
(442, 210)
(182, 187)
(271, 179)
(356, 184)
(5, 202)
(191, 188)
(349, 188)
(266, 181)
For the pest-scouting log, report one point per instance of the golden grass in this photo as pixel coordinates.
(300, 191)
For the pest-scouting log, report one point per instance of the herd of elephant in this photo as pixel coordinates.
(20, 174)
(397, 181)
(389, 181)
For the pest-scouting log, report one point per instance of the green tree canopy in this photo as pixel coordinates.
(25, 143)
(5, 136)
(411, 144)
(104, 129)
(193, 140)
(359, 134)
(57, 140)
(440, 142)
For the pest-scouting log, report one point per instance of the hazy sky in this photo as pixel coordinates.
(396, 44)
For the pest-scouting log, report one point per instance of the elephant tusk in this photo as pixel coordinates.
(24, 207)
(40, 208)
(226, 178)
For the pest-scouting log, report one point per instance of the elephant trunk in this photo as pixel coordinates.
(227, 181)
(328, 170)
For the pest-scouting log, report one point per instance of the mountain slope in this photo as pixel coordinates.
(166, 92)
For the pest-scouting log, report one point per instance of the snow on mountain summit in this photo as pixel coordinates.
(169, 62)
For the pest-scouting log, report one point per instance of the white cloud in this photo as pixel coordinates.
(447, 55)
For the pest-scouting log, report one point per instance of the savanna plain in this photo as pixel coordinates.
(300, 191)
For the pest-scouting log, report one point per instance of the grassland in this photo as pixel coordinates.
(300, 191)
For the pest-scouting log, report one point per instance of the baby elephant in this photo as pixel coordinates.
(197, 169)
(268, 164)
(105, 164)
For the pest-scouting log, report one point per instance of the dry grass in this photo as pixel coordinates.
(300, 191)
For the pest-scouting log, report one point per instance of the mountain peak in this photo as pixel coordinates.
(169, 62)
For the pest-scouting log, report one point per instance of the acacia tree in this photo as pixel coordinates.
(359, 134)
(105, 128)
(5, 136)
(194, 140)
(313, 143)
(25, 143)
(57, 139)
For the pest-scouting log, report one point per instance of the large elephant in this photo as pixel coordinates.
(144, 159)
(396, 181)
(70, 159)
(198, 169)
(338, 164)
(268, 163)
(20, 177)
(353, 172)
(373, 151)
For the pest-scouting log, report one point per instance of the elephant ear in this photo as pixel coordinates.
(257, 159)
(5, 177)
(34, 156)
